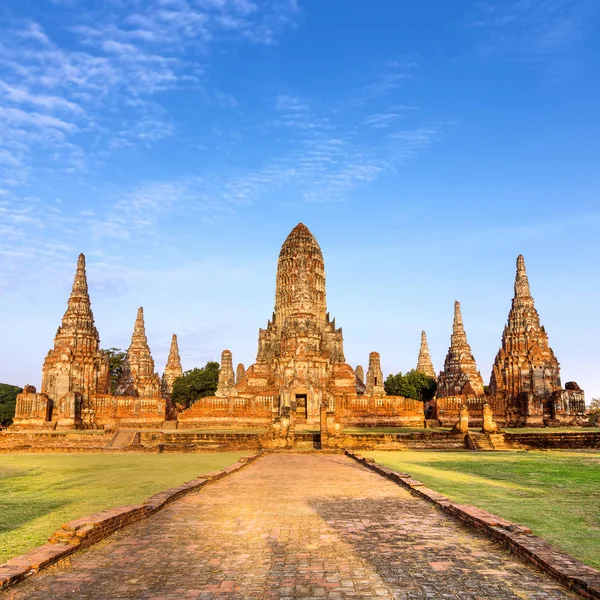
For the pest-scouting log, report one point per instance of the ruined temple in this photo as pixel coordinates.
(76, 363)
(173, 369)
(424, 364)
(300, 368)
(460, 375)
(526, 374)
(75, 390)
(74, 370)
(525, 361)
(300, 353)
(139, 377)
(300, 375)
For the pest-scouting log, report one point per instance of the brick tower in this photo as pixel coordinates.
(424, 364)
(525, 362)
(172, 370)
(460, 375)
(76, 363)
(139, 377)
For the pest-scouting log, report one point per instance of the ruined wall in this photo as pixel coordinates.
(380, 411)
(447, 410)
(54, 441)
(111, 412)
(236, 411)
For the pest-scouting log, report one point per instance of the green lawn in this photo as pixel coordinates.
(40, 492)
(555, 493)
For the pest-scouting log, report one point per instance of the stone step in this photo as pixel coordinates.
(497, 440)
(482, 442)
(124, 439)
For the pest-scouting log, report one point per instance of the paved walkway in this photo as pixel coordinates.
(294, 526)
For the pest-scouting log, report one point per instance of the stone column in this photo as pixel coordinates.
(489, 426)
(463, 419)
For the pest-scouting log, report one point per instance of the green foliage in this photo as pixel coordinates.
(8, 399)
(116, 360)
(413, 384)
(196, 383)
(39, 492)
(594, 411)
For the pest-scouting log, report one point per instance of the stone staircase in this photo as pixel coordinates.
(480, 442)
(498, 441)
(487, 442)
(123, 439)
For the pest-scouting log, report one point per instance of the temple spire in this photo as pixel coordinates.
(79, 305)
(458, 327)
(524, 353)
(173, 369)
(521, 281)
(139, 378)
(174, 359)
(139, 328)
(424, 364)
(460, 375)
(76, 348)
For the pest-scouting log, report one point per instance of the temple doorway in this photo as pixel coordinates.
(301, 408)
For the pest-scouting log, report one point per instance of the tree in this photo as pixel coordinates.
(413, 384)
(594, 411)
(8, 400)
(116, 361)
(196, 383)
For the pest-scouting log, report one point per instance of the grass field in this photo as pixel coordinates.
(556, 494)
(40, 492)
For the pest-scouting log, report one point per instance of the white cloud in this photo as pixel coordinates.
(106, 76)
(531, 29)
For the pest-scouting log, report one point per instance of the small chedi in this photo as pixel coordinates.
(138, 377)
(172, 370)
(424, 363)
(460, 376)
(300, 369)
(300, 376)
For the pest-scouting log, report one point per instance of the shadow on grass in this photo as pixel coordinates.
(16, 514)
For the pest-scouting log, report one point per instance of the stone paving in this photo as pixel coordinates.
(294, 526)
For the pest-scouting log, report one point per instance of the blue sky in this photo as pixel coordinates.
(177, 142)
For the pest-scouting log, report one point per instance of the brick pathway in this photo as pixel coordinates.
(294, 526)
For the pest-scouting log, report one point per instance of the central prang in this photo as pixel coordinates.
(300, 354)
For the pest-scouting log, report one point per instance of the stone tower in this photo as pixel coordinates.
(172, 370)
(375, 376)
(360, 373)
(424, 364)
(525, 362)
(226, 385)
(76, 363)
(139, 377)
(240, 372)
(300, 357)
(460, 375)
